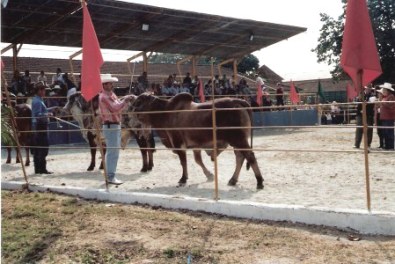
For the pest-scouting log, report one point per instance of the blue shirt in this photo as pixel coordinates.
(39, 111)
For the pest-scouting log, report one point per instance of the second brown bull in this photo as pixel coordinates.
(181, 129)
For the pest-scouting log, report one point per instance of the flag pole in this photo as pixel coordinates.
(365, 139)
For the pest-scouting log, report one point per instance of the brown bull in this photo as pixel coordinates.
(173, 132)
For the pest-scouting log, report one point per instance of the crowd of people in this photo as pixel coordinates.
(56, 89)
(379, 113)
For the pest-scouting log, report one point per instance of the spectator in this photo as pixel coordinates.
(368, 97)
(42, 78)
(58, 77)
(260, 82)
(387, 115)
(18, 86)
(54, 99)
(266, 101)
(279, 95)
(187, 80)
(185, 89)
(69, 84)
(142, 83)
(335, 112)
(26, 78)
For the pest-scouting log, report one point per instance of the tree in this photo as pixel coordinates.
(248, 65)
(382, 14)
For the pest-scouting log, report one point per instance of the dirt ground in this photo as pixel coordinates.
(48, 228)
(294, 176)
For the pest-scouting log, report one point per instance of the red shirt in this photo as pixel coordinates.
(387, 110)
(110, 107)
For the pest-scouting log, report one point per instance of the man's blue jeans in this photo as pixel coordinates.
(112, 135)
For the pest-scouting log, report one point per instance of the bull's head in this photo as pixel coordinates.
(143, 103)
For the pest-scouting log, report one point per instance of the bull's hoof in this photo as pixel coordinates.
(90, 168)
(210, 178)
(8, 162)
(27, 164)
(181, 184)
(101, 168)
(232, 182)
(144, 169)
(259, 186)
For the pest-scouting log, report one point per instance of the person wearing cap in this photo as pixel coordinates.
(387, 114)
(40, 121)
(110, 112)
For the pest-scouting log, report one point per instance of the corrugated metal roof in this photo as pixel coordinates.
(119, 26)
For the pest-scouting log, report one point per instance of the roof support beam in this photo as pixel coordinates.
(222, 63)
(179, 63)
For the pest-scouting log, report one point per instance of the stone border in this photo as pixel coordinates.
(375, 222)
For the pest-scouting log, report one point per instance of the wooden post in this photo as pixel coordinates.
(193, 66)
(222, 63)
(71, 57)
(235, 71)
(15, 132)
(145, 62)
(215, 147)
(134, 65)
(365, 140)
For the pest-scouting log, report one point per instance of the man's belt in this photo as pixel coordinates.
(108, 123)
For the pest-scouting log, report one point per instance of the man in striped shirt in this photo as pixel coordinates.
(110, 111)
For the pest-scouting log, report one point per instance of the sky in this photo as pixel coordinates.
(292, 59)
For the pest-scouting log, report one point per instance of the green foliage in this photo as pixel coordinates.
(248, 65)
(382, 14)
(6, 130)
(168, 58)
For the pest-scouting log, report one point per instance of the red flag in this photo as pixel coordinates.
(201, 92)
(259, 94)
(293, 95)
(359, 51)
(92, 59)
(351, 92)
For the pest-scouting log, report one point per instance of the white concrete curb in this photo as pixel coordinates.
(375, 222)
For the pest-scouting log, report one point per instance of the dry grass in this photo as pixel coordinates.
(48, 228)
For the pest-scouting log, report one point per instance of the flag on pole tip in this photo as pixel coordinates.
(92, 59)
(259, 94)
(201, 92)
(359, 50)
(293, 94)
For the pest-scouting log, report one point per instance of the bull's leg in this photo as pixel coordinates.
(27, 162)
(18, 153)
(249, 155)
(92, 145)
(198, 158)
(183, 160)
(8, 155)
(151, 144)
(142, 143)
(101, 167)
(239, 163)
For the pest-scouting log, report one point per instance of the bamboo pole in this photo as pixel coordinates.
(235, 71)
(215, 147)
(222, 63)
(193, 66)
(15, 133)
(365, 140)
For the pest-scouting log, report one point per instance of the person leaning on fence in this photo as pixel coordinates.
(370, 98)
(387, 115)
(377, 120)
(40, 121)
(110, 112)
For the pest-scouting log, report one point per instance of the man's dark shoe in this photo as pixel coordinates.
(46, 172)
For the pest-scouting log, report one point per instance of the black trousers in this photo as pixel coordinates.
(40, 150)
(359, 131)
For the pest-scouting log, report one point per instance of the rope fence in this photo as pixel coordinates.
(215, 130)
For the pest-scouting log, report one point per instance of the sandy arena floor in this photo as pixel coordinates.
(329, 179)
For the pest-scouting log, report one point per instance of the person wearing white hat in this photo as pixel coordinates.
(387, 114)
(110, 112)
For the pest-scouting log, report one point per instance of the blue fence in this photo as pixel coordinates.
(285, 118)
(67, 134)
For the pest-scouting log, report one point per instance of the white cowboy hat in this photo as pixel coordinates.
(105, 78)
(56, 87)
(387, 86)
